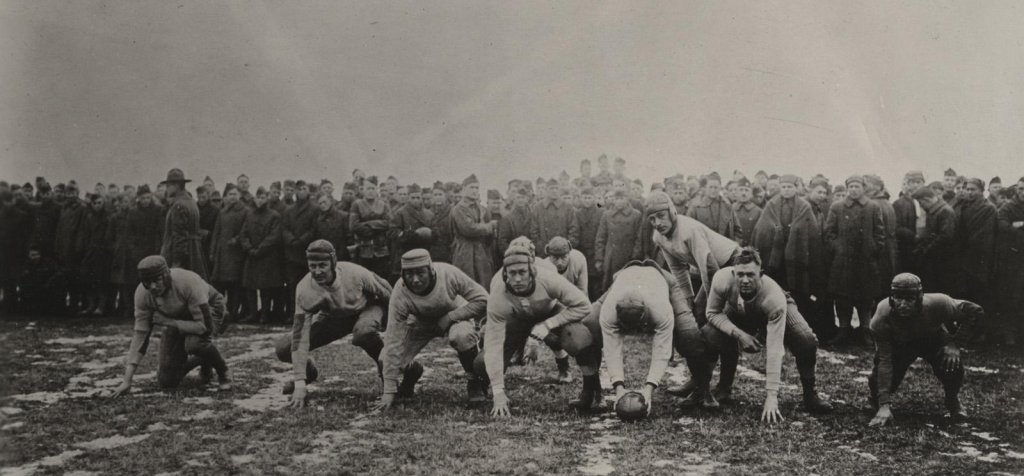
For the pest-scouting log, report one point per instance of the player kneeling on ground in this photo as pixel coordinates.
(911, 325)
(426, 304)
(532, 302)
(334, 300)
(643, 295)
(743, 301)
(189, 310)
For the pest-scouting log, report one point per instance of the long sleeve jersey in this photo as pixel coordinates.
(354, 288)
(767, 307)
(694, 244)
(576, 270)
(454, 295)
(549, 292)
(650, 286)
(941, 320)
(187, 300)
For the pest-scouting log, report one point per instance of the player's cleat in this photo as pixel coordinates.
(476, 392)
(590, 399)
(311, 375)
(407, 388)
(224, 383)
(631, 407)
(815, 404)
(723, 394)
(682, 391)
(205, 375)
(563, 370)
(700, 398)
(956, 411)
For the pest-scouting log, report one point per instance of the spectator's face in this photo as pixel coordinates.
(275, 194)
(302, 193)
(521, 199)
(243, 183)
(146, 199)
(494, 204)
(203, 197)
(949, 181)
(99, 189)
(927, 202)
(818, 194)
(839, 196)
(972, 192)
(587, 199)
(370, 191)
(231, 197)
(46, 196)
(567, 197)
(402, 195)
(289, 191)
(620, 202)
(772, 186)
(994, 189)
(913, 186)
(787, 190)
(439, 197)
(679, 196)
(161, 190)
(328, 188)
(348, 194)
(743, 194)
(712, 188)
(71, 193)
(554, 191)
(471, 191)
(113, 190)
(416, 200)
(730, 191)
(323, 203)
(637, 190)
(260, 199)
(958, 189)
(855, 190)
(97, 204)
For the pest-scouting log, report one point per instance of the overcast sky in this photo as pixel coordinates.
(426, 90)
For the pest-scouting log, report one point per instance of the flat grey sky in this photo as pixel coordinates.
(124, 90)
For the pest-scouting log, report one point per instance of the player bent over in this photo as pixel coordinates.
(911, 325)
(643, 294)
(742, 301)
(333, 300)
(189, 310)
(538, 303)
(426, 304)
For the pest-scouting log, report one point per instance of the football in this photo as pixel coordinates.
(631, 407)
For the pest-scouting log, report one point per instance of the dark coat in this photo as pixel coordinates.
(747, 214)
(589, 220)
(718, 215)
(933, 252)
(1010, 261)
(404, 223)
(472, 232)
(617, 241)
(518, 222)
(887, 260)
(207, 220)
(44, 229)
(551, 218)
(906, 232)
(333, 225)
(297, 230)
(225, 250)
(182, 246)
(144, 235)
(369, 224)
(66, 243)
(856, 235)
(15, 232)
(975, 244)
(117, 231)
(260, 239)
(791, 252)
(441, 250)
(96, 248)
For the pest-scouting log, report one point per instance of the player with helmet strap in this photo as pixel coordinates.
(431, 300)
(531, 302)
(333, 300)
(912, 324)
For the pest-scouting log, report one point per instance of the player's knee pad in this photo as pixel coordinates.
(365, 337)
(462, 336)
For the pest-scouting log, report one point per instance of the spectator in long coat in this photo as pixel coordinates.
(410, 226)
(910, 222)
(117, 230)
(46, 217)
(823, 318)
(144, 234)
(875, 190)
(182, 245)
(68, 253)
(94, 270)
(298, 230)
(932, 255)
(788, 237)
(472, 229)
(441, 250)
(332, 224)
(1009, 286)
(715, 211)
(618, 237)
(747, 212)
(371, 218)
(227, 254)
(274, 201)
(496, 206)
(856, 233)
(260, 239)
(519, 222)
(589, 218)
(974, 245)
(15, 231)
(207, 220)
(553, 217)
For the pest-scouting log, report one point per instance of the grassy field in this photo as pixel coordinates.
(54, 420)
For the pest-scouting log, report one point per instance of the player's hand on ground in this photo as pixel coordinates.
(531, 354)
(748, 342)
(386, 400)
(771, 413)
(121, 389)
(298, 396)
(951, 358)
(500, 408)
(883, 416)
